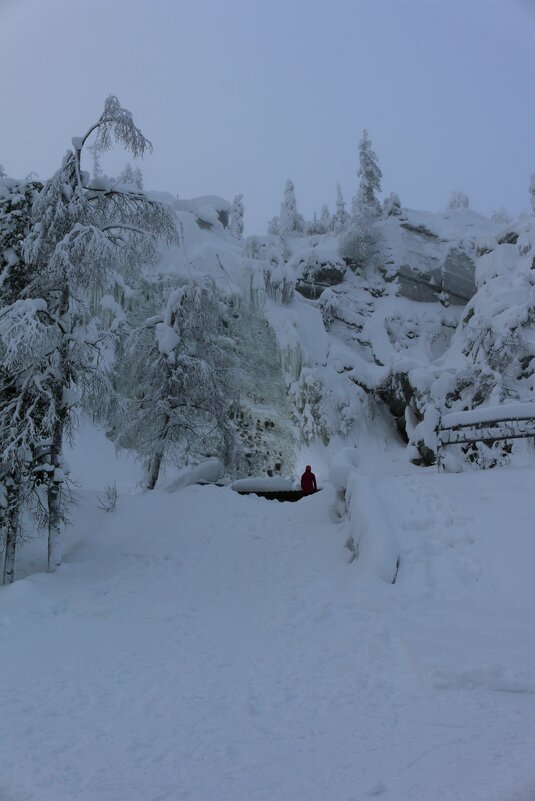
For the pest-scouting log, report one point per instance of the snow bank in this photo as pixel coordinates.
(373, 539)
(207, 472)
(342, 466)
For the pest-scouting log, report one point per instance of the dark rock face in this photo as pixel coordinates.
(315, 279)
(455, 278)
(458, 276)
(508, 238)
(421, 230)
(327, 274)
(396, 392)
(310, 289)
(204, 224)
(421, 286)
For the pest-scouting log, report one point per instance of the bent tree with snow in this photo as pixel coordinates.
(80, 237)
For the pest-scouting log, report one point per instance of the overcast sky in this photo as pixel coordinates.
(239, 95)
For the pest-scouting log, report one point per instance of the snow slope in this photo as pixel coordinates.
(207, 646)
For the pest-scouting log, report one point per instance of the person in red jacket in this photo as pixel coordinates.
(308, 481)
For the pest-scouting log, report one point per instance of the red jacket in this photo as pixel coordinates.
(308, 482)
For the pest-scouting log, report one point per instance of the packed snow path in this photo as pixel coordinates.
(203, 646)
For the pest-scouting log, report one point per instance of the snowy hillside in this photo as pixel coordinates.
(335, 335)
(189, 642)
(200, 645)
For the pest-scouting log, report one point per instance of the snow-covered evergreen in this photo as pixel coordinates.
(359, 241)
(237, 212)
(325, 220)
(369, 174)
(291, 223)
(96, 169)
(341, 217)
(184, 388)
(458, 200)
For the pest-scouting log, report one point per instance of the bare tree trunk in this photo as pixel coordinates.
(12, 515)
(155, 461)
(56, 452)
(154, 468)
(11, 545)
(54, 500)
(54, 526)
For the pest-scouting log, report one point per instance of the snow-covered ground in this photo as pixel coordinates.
(207, 646)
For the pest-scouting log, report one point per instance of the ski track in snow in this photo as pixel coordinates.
(206, 646)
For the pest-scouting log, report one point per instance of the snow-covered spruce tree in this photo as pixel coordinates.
(532, 191)
(325, 219)
(370, 176)
(184, 383)
(291, 223)
(138, 178)
(126, 176)
(19, 413)
(80, 236)
(358, 243)
(96, 169)
(341, 217)
(458, 200)
(313, 227)
(236, 217)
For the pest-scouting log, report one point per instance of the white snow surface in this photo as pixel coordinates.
(263, 484)
(207, 646)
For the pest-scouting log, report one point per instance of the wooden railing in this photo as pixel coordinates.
(487, 424)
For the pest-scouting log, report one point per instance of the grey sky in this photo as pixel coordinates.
(239, 95)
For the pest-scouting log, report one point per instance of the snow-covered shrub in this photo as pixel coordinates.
(109, 501)
(485, 457)
(280, 283)
(266, 248)
(330, 307)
